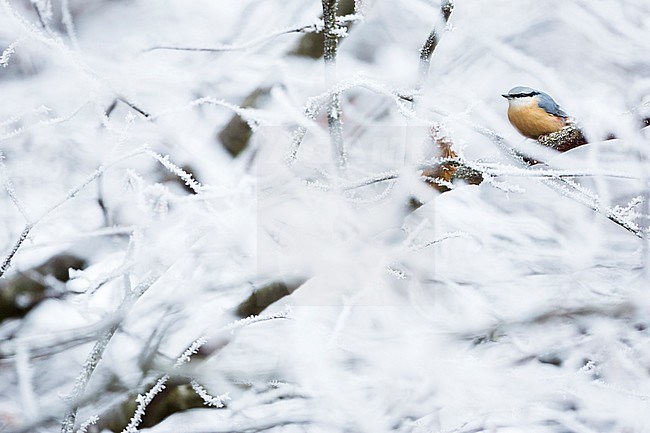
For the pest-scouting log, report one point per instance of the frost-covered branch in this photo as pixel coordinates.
(570, 189)
(332, 34)
(489, 170)
(143, 401)
(83, 428)
(173, 168)
(429, 46)
(209, 400)
(131, 295)
(8, 52)
(9, 189)
(316, 27)
(6, 262)
(89, 367)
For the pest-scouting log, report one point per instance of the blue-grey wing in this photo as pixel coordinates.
(549, 105)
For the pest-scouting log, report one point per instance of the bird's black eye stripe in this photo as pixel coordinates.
(523, 95)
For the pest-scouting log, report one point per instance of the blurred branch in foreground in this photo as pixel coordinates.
(446, 8)
(22, 292)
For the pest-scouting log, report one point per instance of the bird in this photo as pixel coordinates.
(534, 113)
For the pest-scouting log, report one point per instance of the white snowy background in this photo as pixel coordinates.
(512, 306)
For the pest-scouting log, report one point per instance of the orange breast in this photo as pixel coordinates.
(532, 121)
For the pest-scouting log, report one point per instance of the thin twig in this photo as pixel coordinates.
(132, 105)
(6, 263)
(311, 28)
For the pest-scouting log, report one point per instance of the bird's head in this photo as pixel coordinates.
(521, 95)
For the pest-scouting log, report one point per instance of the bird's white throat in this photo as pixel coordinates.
(521, 102)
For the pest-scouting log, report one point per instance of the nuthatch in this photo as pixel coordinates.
(534, 113)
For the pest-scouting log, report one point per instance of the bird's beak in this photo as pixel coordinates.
(506, 96)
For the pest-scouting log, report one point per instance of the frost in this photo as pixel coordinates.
(218, 401)
(193, 349)
(8, 52)
(83, 428)
(143, 400)
(340, 32)
(186, 177)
